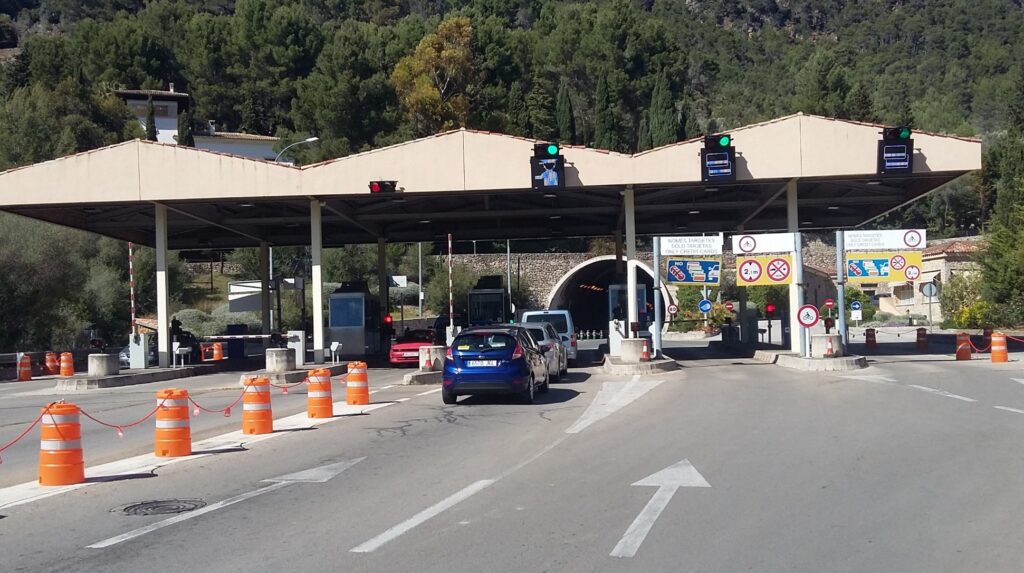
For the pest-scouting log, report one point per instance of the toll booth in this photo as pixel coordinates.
(489, 302)
(354, 320)
(618, 319)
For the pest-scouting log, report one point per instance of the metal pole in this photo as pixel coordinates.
(451, 298)
(508, 273)
(630, 208)
(131, 283)
(798, 267)
(163, 337)
(657, 297)
(419, 282)
(841, 286)
(272, 285)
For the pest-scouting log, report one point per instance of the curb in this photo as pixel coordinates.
(654, 367)
(422, 378)
(69, 384)
(292, 376)
(789, 360)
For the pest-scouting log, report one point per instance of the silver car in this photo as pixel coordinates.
(545, 335)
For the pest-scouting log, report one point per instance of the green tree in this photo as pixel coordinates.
(150, 120)
(518, 112)
(185, 135)
(663, 117)
(566, 115)
(606, 129)
(463, 280)
(8, 33)
(858, 104)
(643, 137)
(539, 106)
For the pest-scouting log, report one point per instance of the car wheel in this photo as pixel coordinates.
(448, 397)
(546, 386)
(527, 396)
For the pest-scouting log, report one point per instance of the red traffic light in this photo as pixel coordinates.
(383, 186)
(388, 319)
(375, 187)
(769, 309)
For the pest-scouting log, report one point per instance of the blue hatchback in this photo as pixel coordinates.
(487, 360)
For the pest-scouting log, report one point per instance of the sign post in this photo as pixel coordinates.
(855, 312)
(930, 290)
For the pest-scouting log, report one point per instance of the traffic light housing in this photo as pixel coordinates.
(388, 320)
(547, 167)
(383, 186)
(896, 151)
(769, 310)
(718, 158)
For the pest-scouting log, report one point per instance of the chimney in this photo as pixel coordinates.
(172, 87)
(213, 127)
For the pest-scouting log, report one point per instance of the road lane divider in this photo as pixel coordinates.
(938, 392)
(173, 435)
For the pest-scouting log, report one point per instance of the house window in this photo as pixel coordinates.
(904, 294)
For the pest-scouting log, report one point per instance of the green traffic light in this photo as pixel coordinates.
(905, 133)
(552, 149)
(724, 141)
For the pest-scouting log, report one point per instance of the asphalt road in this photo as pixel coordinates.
(911, 465)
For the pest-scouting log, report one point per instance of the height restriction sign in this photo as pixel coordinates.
(764, 270)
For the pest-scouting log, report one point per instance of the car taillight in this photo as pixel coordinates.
(517, 353)
(448, 354)
(572, 340)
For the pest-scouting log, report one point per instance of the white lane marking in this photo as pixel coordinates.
(422, 516)
(668, 480)
(149, 463)
(375, 390)
(1014, 410)
(613, 397)
(943, 393)
(429, 392)
(1018, 380)
(402, 400)
(874, 378)
(321, 474)
(185, 516)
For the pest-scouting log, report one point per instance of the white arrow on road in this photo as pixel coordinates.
(668, 480)
(314, 475)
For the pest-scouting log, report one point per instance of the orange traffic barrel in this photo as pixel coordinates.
(60, 446)
(218, 351)
(319, 401)
(963, 346)
(52, 366)
(24, 368)
(357, 384)
(869, 338)
(257, 417)
(999, 353)
(173, 437)
(922, 339)
(67, 364)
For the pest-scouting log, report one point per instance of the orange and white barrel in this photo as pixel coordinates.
(999, 351)
(319, 399)
(218, 351)
(963, 346)
(52, 366)
(257, 417)
(67, 364)
(60, 446)
(173, 436)
(869, 339)
(357, 384)
(24, 368)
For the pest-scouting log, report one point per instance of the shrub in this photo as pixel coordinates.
(976, 315)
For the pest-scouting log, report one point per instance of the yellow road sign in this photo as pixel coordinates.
(883, 267)
(764, 270)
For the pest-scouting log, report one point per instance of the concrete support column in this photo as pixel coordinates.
(796, 292)
(383, 282)
(163, 332)
(741, 312)
(656, 335)
(620, 265)
(316, 244)
(841, 287)
(630, 208)
(265, 288)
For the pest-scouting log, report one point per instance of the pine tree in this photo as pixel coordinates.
(566, 115)
(518, 114)
(605, 133)
(150, 120)
(643, 139)
(186, 137)
(858, 104)
(664, 120)
(538, 105)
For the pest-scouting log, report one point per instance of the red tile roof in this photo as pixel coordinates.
(952, 247)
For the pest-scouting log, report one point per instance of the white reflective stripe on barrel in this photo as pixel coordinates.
(263, 389)
(357, 371)
(319, 394)
(265, 406)
(60, 419)
(169, 403)
(352, 384)
(319, 380)
(172, 423)
(59, 445)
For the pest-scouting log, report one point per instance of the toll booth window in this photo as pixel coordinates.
(486, 308)
(346, 312)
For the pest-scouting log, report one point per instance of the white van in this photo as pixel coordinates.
(562, 321)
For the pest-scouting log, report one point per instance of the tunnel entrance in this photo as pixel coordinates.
(584, 291)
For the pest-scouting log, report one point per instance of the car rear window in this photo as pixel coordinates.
(556, 320)
(484, 341)
(537, 333)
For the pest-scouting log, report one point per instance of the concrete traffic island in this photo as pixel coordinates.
(131, 377)
(616, 365)
(431, 366)
(792, 360)
(293, 376)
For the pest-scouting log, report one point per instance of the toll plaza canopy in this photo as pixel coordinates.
(795, 173)
(476, 185)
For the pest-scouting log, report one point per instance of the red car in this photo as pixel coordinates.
(406, 350)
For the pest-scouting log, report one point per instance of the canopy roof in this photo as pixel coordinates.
(476, 185)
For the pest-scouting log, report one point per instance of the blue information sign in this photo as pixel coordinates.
(855, 305)
(704, 305)
(703, 272)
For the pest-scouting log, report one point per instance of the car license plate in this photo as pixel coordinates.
(478, 363)
(411, 354)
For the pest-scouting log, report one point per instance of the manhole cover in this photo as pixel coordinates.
(160, 507)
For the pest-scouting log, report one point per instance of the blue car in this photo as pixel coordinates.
(494, 360)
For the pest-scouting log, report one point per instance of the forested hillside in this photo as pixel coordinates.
(626, 75)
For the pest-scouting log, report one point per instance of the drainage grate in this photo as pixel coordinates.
(160, 507)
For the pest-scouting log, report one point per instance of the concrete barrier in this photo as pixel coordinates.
(630, 350)
(280, 359)
(820, 342)
(432, 358)
(103, 365)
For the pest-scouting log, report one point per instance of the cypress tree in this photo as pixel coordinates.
(643, 139)
(664, 120)
(185, 135)
(518, 114)
(150, 120)
(566, 115)
(538, 104)
(604, 121)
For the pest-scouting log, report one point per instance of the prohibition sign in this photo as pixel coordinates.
(897, 263)
(750, 271)
(912, 273)
(747, 244)
(808, 315)
(912, 239)
(778, 270)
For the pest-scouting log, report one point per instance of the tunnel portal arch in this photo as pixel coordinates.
(583, 290)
